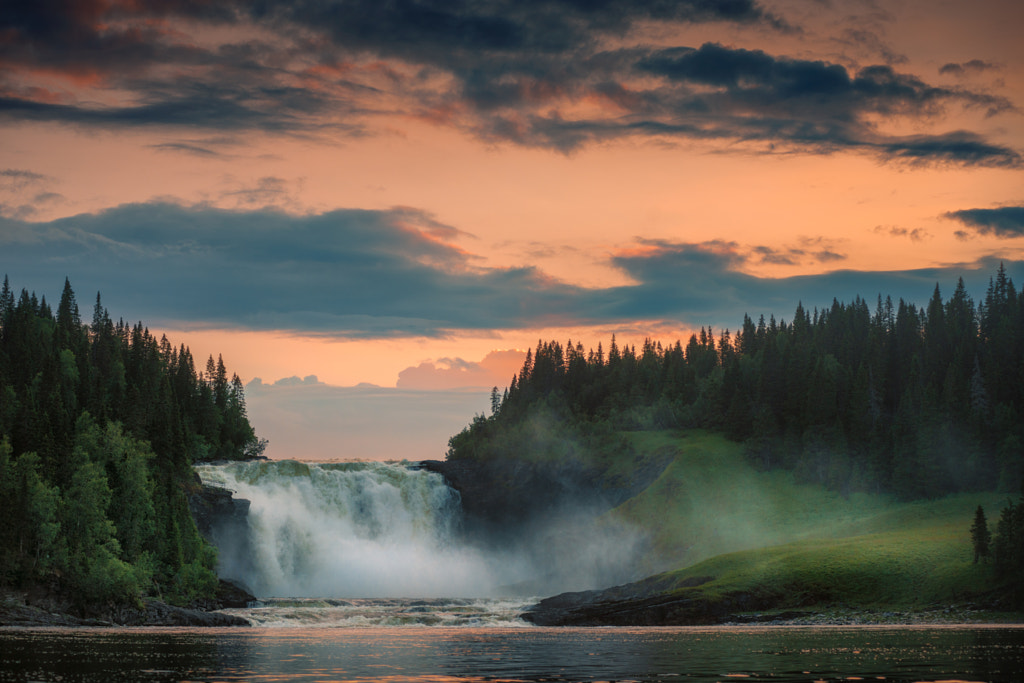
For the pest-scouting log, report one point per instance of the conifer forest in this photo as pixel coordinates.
(100, 423)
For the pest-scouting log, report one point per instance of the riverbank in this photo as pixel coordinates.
(950, 615)
(41, 608)
(677, 599)
(617, 607)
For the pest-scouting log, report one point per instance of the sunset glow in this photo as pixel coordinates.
(356, 191)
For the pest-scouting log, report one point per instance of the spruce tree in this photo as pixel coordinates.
(980, 535)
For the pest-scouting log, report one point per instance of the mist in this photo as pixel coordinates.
(375, 529)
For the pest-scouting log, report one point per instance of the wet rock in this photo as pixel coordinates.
(502, 497)
(652, 602)
(214, 509)
(233, 594)
(29, 610)
(156, 613)
(223, 520)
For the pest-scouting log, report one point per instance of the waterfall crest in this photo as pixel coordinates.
(348, 529)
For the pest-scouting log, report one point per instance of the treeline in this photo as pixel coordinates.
(918, 401)
(1005, 549)
(99, 426)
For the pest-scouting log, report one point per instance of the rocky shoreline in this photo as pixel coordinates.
(44, 608)
(660, 602)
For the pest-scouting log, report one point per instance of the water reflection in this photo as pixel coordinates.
(492, 654)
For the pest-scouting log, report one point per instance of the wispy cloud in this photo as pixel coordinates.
(969, 68)
(23, 192)
(914, 235)
(186, 148)
(17, 179)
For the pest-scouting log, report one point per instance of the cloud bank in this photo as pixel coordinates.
(397, 273)
(495, 370)
(314, 421)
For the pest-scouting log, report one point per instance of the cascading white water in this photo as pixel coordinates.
(351, 529)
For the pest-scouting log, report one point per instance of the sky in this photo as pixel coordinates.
(371, 208)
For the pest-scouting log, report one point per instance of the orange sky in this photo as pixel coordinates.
(423, 194)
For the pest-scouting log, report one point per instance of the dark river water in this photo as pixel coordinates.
(475, 653)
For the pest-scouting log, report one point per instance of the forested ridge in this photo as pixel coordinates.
(99, 426)
(915, 401)
(910, 401)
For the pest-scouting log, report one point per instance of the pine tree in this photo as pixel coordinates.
(980, 535)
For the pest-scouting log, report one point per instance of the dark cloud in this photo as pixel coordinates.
(376, 274)
(1005, 222)
(787, 257)
(827, 255)
(757, 96)
(702, 283)
(308, 77)
(444, 32)
(974, 66)
(186, 148)
(220, 104)
(959, 147)
(749, 96)
(504, 70)
(347, 272)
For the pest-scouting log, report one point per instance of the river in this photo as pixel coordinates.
(514, 653)
(341, 535)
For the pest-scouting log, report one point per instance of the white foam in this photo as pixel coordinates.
(357, 529)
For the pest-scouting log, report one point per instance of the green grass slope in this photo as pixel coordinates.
(766, 533)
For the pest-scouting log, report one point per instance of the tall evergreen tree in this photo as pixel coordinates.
(981, 537)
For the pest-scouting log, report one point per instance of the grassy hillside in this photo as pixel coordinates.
(714, 515)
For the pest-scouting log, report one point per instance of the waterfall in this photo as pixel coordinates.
(347, 529)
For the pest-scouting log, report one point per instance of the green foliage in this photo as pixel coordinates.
(918, 402)
(195, 579)
(99, 426)
(1008, 551)
(31, 534)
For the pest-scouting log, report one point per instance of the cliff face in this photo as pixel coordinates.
(501, 498)
(506, 497)
(222, 519)
(216, 510)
